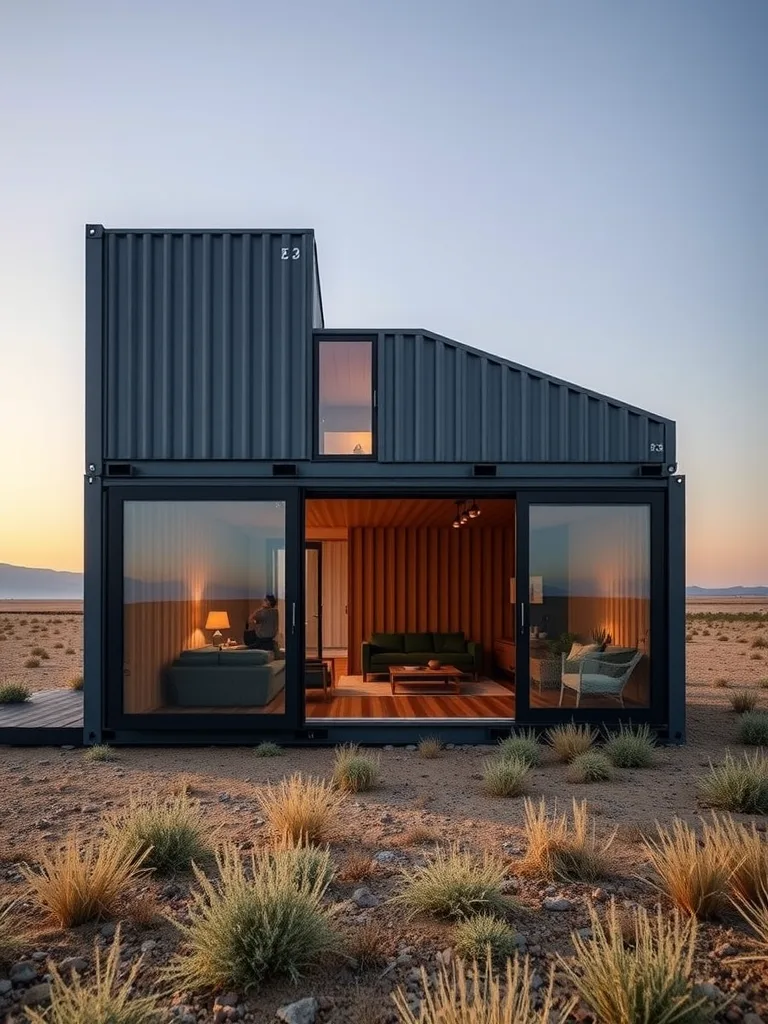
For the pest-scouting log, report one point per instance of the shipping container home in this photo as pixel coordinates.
(316, 535)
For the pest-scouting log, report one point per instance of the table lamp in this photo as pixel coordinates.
(217, 621)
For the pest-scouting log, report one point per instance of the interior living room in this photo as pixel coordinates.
(411, 608)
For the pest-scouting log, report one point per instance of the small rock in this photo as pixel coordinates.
(520, 941)
(708, 991)
(67, 746)
(73, 963)
(556, 903)
(734, 1014)
(753, 1018)
(108, 929)
(450, 746)
(386, 818)
(410, 746)
(384, 857)
(388, 746)
(224, 798)
(37, 994)
(446, 956)
(536, 981)
(23, 972)
(363, 897)
(183, 1014)
(148, 945)
(39, 955)
(303, 1011)
(584, 933)
(5, 986)
(228, 999)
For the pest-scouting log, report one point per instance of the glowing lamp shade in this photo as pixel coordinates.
(217, 621)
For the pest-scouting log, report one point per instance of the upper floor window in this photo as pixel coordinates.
(345, 398)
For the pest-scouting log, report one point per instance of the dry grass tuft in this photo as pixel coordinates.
(592, 766)
(311, 864)
(355, 771)
(430, 747)
(650, 981)
(694, 875)
(267, 749)
(743, 700)
(32, 663)
(522, 746)
(171, 833)
(99, 752)
(253, 923)
(721, 684)
(760, 642)
(106, 998)
(83, 883)
(418, 835)
(14, 693)
(455, 883)
(633, 746)
(745, 853)
(76, 682)
(485, 936)
(560, 848)
(505, 776)
(144, 910)
(483, 998)
(568, 741)
(756, 916)
(737, 784)
(10, 933)
(356, 866)
(753, 729)
(302, 807)
(368, 945)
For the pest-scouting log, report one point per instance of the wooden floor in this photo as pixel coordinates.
(51, 709)
(405, 705)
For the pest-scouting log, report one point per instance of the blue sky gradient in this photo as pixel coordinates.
(578, 186)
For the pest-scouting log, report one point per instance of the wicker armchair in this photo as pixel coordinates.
(598, 676)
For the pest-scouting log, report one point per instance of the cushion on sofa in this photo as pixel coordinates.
(250, 656)
(387, 641)
(200, 656)
(421, 643)
(381, 661)
(450, 643)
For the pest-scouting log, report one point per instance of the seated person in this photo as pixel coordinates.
(262, 625)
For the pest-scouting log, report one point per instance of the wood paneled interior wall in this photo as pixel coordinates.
(421, 579)
(335, 573)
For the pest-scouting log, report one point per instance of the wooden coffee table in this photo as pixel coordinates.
(447, 676)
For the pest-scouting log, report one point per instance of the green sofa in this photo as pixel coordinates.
(385, 649)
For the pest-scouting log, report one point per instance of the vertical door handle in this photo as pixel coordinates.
(522, 618)
(293, 617)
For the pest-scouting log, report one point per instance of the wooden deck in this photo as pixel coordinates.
(48, 709)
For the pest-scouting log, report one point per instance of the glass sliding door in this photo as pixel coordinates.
(207, 608)
(590, 614)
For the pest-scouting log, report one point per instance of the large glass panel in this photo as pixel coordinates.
(345, 398)
(204, 607)
(590, 601)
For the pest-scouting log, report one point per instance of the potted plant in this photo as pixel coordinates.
(601, 637)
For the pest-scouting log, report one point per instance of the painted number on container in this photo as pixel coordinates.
(657, 447)
(290, 254)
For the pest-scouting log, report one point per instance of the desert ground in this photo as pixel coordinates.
(49, 794)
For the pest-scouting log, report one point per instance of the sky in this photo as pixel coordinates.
(579, 186)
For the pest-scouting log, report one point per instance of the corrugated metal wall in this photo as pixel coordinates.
(207, 345)
(440, 402)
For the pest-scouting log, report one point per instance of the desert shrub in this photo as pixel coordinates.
(430, 746)
(744, 700)
(32, 663)
(737, 784)
(723, 638)
(505, 776)
(40, 652)
(76, 683)
(523, 745)
(266, 749)
(694, 875)
(417, 835)
(104, 999)
(763, 683)
(760, 642)
(721, 683)
(311, 864)
(559, 848)
(483, 998)
(455, 883)
(302, 807)
(353, 770)
(483, 936)
(170, 833)
(689, 638)
(591, 766)
(70, 650)
(14, 693)
(83, 883)
(631, 747)
(356, 866)
(753, 729)
(705, 632)
(58, 647)
(251, 925)
(144, 910)
(10, 932)
(755, 656)
(568, 741)
(649, 981)
(100, 752)
(368, 944)
(745, 853)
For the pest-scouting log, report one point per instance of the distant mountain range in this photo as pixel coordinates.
(726, 591)
(18, 583)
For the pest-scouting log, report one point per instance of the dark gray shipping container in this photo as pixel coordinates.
(205, 351)
(440, 401)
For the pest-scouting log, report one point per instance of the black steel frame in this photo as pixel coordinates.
(318, 338)
(316, 545)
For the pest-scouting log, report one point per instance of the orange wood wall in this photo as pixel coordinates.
(421, 579)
